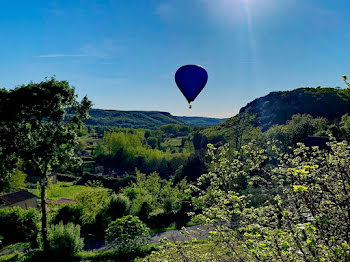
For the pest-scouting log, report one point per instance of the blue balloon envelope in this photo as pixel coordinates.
(191, 79)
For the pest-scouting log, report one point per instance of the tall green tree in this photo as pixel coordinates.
(42, 120)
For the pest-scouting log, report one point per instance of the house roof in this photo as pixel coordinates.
(15, 197)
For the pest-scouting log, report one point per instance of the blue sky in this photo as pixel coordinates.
(123, 53)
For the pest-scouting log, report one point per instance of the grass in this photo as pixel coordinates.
(189, 251)
(173, 142)
(37, 255)
(14, 251)
(11, 257)
(17, 246)
(163, 229)
(64, 190)
(114, 255)
(195, 221)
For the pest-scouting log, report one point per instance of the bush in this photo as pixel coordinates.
(129, 233)
(160, 219)
(145, 210)
(118, 207)
(69, 213)
(98, 226)
(17, 181)
(91, 202)
(18, 225)
(64, 240)
(108, 182)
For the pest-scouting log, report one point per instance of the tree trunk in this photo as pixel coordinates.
(43, 214)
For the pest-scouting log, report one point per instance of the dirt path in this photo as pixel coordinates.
(199, 232)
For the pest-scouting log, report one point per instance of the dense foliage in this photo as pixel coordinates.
(15, 182)
(136, 149)
(305, 216)
(118, 207)
(64, 240)
(91, 202)
(129, 233)
(156, 201)
(18, 225)
(69, 213)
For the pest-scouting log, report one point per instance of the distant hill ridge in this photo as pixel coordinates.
(277, 108)
(200, 121)
(143, 119)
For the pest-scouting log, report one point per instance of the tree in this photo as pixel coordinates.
(129, 233)
(152, 142)
(8, 140)
(193, 168)
(69, 213)
(119, 206)
(43, 120)
(297, 129)
(345, 79)
(306, 217)
(345, 127)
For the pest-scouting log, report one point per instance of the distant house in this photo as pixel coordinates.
(22, 198)
(116, 173)
(93, 142)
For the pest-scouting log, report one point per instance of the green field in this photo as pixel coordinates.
(64, 190)
(173, 142)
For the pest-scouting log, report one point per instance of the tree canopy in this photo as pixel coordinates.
(38, 123)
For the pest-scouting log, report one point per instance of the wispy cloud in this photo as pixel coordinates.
(60, 55)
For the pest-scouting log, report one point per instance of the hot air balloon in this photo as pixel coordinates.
(191, 79)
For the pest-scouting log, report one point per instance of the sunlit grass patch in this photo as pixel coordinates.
(11, 257)
(64, 190)
(195, 250)
(173, 142)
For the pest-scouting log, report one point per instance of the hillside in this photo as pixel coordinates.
(200, 121)
(143, 119)
(277, 108)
